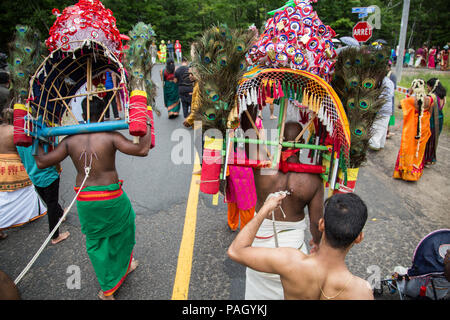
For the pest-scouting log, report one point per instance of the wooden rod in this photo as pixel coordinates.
(257, 132)
(107, 106)
(305, 128)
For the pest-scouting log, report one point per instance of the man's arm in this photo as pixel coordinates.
(260, 259)
(127, 146)
(53, 157)
(315, 210)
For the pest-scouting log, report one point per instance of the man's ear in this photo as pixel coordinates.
(321, 225)
(359, 238)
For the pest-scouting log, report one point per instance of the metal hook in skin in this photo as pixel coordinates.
(273, 213)
(87, 168)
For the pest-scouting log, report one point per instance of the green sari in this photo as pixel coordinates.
(108, 221)
(171, 96)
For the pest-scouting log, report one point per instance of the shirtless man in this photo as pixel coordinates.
(322, 275)
(7, 145)
(19, 202)
(306, 190)
(104, 209)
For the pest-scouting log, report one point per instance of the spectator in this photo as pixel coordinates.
(391, 75)
(110, 83)
(322, 275)
(178, 51)
(381, 123)
(170, 50)
(185, 86)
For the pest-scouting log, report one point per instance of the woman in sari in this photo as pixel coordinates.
(415, 133)
(432, 58)
(437, 119)
(171, 96)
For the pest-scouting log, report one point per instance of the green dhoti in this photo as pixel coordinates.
(108, 221)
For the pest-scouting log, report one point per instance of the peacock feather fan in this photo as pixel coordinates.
(219, 62)
(358, 80)
(139, 63)
(25, 57)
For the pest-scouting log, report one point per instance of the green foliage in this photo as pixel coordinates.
(185, 20)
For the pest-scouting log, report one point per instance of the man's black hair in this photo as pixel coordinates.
(345, 216)
(96, 107)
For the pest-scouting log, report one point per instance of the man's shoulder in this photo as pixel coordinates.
(361, 289)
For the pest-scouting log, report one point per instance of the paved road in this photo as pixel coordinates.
(400, 214)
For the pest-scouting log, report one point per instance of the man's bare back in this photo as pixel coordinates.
(95, 150)
(7, 139)
(314, 278)
(304, 188)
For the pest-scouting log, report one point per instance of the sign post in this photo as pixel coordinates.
(362, 31)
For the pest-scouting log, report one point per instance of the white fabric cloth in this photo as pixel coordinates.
(19, 207)
(388, 94)
(380, 126)
(267, 286)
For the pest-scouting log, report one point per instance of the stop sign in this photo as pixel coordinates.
(362, 31)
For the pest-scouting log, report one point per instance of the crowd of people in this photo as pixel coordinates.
(433, 57)
(170, 50)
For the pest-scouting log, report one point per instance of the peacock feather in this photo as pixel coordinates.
(25, 57)
(219, 62)
(358, 78)
(139, 63)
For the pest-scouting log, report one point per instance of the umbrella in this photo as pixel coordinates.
(350, 41)
(381, 41)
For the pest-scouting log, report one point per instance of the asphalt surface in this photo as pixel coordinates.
(400, 215)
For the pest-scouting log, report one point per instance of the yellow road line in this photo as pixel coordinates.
(184, 267)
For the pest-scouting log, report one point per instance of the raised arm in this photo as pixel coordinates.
(261, 259)
(52, 158)
(127, 146)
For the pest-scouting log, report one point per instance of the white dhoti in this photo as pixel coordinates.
(19, 207)
(379, 127)
(267, 286)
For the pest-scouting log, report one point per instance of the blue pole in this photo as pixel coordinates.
(83, 128)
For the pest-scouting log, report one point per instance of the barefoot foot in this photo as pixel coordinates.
(133, 265)
(62, 236)
(102, 296)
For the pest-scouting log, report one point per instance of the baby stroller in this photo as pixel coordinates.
(425, 279)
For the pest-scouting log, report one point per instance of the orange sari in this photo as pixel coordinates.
(410, 164)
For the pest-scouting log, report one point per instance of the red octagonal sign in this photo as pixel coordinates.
(362, 31)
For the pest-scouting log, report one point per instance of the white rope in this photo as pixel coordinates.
(275, 233)
(22, 274)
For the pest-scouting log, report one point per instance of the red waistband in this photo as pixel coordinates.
(99, 195)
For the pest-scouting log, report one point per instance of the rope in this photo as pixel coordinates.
(30, 264)
(275, 194)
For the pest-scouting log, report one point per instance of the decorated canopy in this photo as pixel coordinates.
(86, 20)
(296, 38)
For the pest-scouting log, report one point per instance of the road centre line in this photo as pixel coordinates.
(184, 266)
